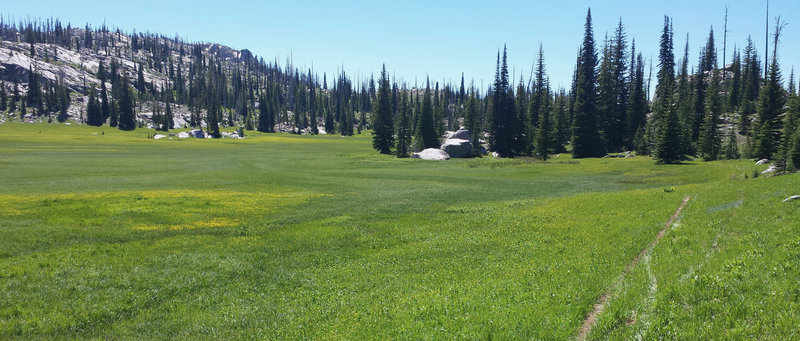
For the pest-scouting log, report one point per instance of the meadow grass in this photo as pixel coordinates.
(109, 234)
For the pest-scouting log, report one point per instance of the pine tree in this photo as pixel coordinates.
(425, 134)
(771, 100)
(127, 119)
(3, 96)
(684, 103)
(263, 114)
(473, 121)
(710, 140)
(751, 82)
(544, 134)
(501, 138)
(791, 126)
(102, 75)
(586, 138)
(734, 88)
(667, 127)
(732, 145)
(523, 129)
(113, 114)
(94, 117)
(383, 126)
(403, 146)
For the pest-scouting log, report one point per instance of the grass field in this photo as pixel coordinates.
(108, 234)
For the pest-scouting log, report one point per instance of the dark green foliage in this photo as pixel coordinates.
(732, 145)
(113, 114)
(382, 125)
(425, 134)
(127, 120)
(503, 123)
(94, 115)
(586, 138)
(264, 118)
(793, 155)
(404, 132)
(523, 129)
(3, 96)
(735, 83)
(544, 144)
(791, 126)
(684, 104)
(710, 141)
(666, 127)
(751, 82)
(562, 121)
(473, 121)
(771, 100)
(34, 97)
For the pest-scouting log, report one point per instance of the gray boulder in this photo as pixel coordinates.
(762, 161)
(457, 148)
(431, 154)
(794, 197)
(461, 134)
(197, 133)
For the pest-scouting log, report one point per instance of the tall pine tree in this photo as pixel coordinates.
(383, 126)
(586, 138)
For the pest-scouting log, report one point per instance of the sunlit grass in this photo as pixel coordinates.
(108, 234)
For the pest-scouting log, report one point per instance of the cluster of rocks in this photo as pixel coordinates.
(456, 145)
(624, 155)
(198, 134)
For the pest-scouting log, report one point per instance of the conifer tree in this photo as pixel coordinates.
(473, 121)
(586, 138)
(3, 96)
(683, 103)
(732, 145)
(734, 88)
(523, 128)
(383, 126)
(425, 135)
(102, 75)
(113, 114)
(501, 137)
(751, 82)
(403, 146)
(127, 119)
(263, 114)
(710, 140)
(94, 116)
(667, 128)
(544, 134)
(771, 100)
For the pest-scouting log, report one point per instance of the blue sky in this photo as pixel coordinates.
(440, 39)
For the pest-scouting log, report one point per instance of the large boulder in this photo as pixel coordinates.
(461, 134)
(197, 133)
(431, 154)
(457, 148)
(762, 161)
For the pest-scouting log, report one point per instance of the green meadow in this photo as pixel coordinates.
(111, 235)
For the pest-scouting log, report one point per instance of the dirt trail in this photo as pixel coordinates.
(600, 304)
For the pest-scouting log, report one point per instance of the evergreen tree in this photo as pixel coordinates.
(127, 118)
(734, 88)
(667, 128)
(263, 114)
(710, 139)
(473, 122)
(684, 103)
(522, 144)
(771, 100)
(751, 82)
(94, 116)
(586, 138)
(425, 134)
(403, 146)
(102, 75)
(732, 145)
(3, 96)
(383, 126)
(113, 114)
(544, 134)
(501, 138)
(562, 120)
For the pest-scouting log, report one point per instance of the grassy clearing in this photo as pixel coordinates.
(107, 234)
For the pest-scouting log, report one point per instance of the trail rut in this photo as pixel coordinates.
(600, 304)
